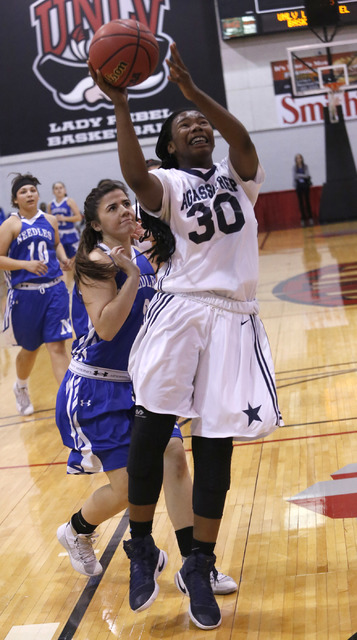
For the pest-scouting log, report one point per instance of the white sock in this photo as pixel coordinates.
(21, 383)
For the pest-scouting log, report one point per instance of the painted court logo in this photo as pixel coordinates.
(334, 498)
(64, 29)
(332, 286)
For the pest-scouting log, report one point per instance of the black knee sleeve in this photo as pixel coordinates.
(150, 434)
(212, 475)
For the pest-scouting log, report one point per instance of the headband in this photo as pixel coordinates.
(21, 182)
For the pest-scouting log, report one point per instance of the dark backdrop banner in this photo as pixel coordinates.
(48, 99)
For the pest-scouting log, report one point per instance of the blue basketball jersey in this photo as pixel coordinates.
(36, 241)
(67, 231)
(62, 208)
(88, 347)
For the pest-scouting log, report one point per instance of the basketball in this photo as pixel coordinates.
(125, 51)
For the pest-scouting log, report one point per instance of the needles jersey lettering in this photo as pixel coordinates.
(34, 231)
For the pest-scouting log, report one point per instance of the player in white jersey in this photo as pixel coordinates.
(202, 351)
(95, 408)
(37, 309)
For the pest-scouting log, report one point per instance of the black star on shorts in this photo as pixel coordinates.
(252, 413)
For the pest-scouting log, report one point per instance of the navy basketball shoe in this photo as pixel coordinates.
(193, 580)
(146, 564)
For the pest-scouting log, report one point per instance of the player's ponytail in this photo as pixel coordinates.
(163, 241)
(163, 245)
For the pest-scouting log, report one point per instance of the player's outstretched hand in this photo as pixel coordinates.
(116, 94)
(179, 74)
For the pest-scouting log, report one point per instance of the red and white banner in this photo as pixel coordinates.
(293, 112)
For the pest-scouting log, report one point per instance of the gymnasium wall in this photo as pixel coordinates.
(250, 96)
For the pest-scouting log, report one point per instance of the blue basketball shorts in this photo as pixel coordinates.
(39, 318)
(70, 242)
(95, 419)
(70, 248)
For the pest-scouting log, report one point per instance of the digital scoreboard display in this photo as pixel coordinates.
(241, 18)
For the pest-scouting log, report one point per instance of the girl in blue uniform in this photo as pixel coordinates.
(37, 308)
(95, 408)
(67, 213)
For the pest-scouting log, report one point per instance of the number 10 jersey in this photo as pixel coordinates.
(36, 241)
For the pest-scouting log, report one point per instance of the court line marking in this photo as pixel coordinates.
(319, 366)
(316, 376)
(318, 435)
(84, 600)
(44, 631)
(235, 444)
(247, 539)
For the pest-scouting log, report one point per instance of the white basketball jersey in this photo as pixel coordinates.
(210, 213)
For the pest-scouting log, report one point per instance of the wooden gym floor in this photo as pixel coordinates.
(289, 531)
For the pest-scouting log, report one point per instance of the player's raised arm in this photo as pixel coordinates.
(147, 188)
(241, 148)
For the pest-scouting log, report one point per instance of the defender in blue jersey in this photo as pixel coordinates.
(97, 388)
(37, 308)
(95, 406)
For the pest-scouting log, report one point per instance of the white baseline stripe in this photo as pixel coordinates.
(33, 631)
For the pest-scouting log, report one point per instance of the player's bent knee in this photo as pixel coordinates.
(175, 459)
(56, 348)
(150, 435)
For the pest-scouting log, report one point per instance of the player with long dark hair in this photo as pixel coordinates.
(202, 352)
(94, 408)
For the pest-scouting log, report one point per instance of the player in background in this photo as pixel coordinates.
(67, 214)
(37, 307)
(114, 283)
(202, 352)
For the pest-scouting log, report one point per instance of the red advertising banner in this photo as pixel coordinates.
(304, 110)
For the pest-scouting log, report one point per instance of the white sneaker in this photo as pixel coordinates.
(222, 584)
(23, 402)
(80, 550)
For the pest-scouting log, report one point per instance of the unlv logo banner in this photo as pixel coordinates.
(49, 101)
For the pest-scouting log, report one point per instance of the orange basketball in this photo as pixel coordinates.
(125, 51)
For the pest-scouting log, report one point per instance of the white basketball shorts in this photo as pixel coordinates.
(198, 357)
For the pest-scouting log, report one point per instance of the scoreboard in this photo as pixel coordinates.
(241, 18)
